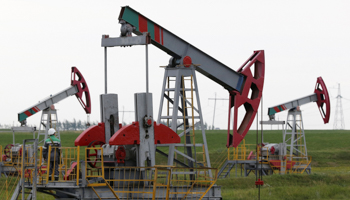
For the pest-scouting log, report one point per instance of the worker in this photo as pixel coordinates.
(55, 144)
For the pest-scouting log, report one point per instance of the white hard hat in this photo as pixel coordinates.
(51, 131)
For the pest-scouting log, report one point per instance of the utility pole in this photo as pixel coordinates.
(215, 107)
(339, 117)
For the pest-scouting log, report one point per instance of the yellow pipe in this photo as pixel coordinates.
(102, 167)
(155, 184)
(78, 149)
(40, 161)
(86, 174)
(168, 185)
(228, 153)
(65, 162)
(7, 187)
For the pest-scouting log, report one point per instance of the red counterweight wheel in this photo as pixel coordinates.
(91, 154)
(7, 150)
(249, 97)
(323, 103)
(83, 94)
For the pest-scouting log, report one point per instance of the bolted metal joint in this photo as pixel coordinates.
(147, 121)
(173, 62)
(126, 29)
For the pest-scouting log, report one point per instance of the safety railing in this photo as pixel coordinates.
(298, 164)
(12, 164)
(242, 152)
(12, 158)
(160, 182)
(66, 165)
(94, 167)
(220, 158)
(289, 164)
(61, 165)
(8, 185)
(192, 183)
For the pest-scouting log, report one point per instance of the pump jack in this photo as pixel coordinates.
(293, 148)
(185, 60)
(78, 87)
(49, 118)
(126, 155)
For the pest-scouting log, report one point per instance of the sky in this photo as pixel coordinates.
(41, 40)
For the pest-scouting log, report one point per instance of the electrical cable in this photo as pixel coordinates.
(261, 130)
(257, 154)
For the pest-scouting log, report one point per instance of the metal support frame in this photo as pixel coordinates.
(174, 115)
(34, 187)
(22, 129)
(143, 113)
(294, 143)
(109, 114)
(49, 119)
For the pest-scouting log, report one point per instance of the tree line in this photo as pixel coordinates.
(76, 125)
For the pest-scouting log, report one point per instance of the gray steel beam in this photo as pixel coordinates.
(124, 41)
(179, 48)
(291, 104)
(47, 103)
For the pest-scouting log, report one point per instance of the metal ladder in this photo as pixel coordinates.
(294, 140)
(174, 92)
(188, 102)
(226, 168)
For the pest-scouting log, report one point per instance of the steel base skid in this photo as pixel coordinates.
(68, 190)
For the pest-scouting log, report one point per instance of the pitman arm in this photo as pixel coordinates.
(78, 88)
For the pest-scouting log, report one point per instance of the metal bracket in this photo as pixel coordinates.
(143, 39)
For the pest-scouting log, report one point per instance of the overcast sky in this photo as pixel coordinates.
(41, 40)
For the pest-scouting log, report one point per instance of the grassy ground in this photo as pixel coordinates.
(330, 178)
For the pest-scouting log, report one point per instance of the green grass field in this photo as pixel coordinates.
(330, 178)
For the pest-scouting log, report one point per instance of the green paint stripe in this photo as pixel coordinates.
(22, 117)
(150, 27)
(131, 17)
(272, 111)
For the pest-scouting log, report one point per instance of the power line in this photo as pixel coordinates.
(123, 111)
